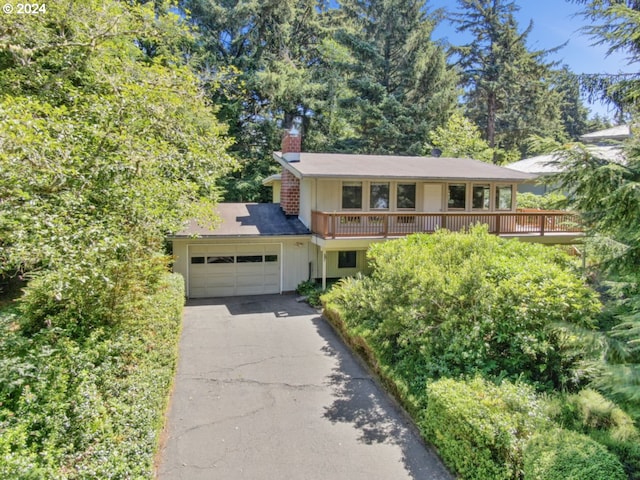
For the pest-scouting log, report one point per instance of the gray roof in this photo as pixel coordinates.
(545, 164)
(620, 132)
(343, 165)
(247, 219)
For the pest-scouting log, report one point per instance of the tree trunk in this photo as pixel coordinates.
(491, 121)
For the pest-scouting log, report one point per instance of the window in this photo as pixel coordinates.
(407, 195)
(249, 259)
(271, 258)
(457, 196)
(352, 195)
(347, 259)
(220, 259)
(481, 197)
(196, 260)
(379, 198)
(504, 197)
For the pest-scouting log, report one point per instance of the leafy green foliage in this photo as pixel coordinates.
(508, 91)
(400, 86)
(589, 413)
(550, 201)
(479, 428)
(606, 194)
(449, 304)
(312, 291)
(107, 145)
(562, 455)
(90, 408)
(460, 138)
(614, 23)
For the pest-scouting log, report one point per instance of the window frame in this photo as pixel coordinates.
(342, 196)
(344, 255)
(449, 207)
(498, 189)
(415, 195)
(371, 196)
(486, 198)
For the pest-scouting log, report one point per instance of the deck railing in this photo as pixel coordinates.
(397, 224)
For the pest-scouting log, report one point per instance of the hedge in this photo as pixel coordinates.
(588, 412)
(559, 454)
(480, 428)
(74, 408)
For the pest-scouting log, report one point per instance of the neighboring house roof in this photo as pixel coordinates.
(547, 164)
(342, 165)
(267, 182)
(247, 219)
(619, 133)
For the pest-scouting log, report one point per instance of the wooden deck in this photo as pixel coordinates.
(397, 224)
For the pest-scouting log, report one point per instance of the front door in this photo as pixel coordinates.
(432, 197)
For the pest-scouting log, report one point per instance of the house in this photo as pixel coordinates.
(331, 206)
(604, 144)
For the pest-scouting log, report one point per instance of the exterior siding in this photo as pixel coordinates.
(328, 196)
(307, 195)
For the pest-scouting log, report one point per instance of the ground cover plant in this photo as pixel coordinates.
(88, 407)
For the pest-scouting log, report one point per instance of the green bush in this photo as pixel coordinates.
(312, 291)
(588, 412)
(479, 428)
(560, 454)
(459, 303)
(88, 407)
(550, 201)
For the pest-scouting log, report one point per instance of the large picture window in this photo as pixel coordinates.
(347, 259)
(457, 198)
(481, 197)
(379, 198)
(407, 195)
(504, 197)
(352, 195)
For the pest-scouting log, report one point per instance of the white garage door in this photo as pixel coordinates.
(230, 270)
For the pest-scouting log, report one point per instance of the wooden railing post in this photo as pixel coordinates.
(498, 226)
(333, 225)
(443, 221)
(385, 226)
(543, 221)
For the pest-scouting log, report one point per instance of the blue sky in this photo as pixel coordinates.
(554, 23)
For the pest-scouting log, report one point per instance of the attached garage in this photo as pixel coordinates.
(256, 250)
(230, 270)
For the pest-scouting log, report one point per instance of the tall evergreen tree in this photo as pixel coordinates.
(508, 87)
(400, 86)
(573, 112)
(258, 58)
(615, 23)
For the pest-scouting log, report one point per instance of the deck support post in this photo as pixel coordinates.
(324, 269)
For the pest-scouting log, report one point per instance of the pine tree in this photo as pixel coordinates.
(258, 59)
(508, 88)
(400, 86)
(614, 23)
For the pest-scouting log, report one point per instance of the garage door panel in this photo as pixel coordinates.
(234, 270)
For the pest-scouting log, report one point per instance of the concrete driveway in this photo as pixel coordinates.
(266, 390)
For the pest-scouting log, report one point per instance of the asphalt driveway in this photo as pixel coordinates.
(266, 390)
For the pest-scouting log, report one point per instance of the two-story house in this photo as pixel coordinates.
(330, 207)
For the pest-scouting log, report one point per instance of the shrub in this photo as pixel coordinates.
(459, 303)
(559, 454)
(479, 428)
(588, 412)
(89, 407)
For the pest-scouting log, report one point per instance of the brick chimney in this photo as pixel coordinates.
(290, 187)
